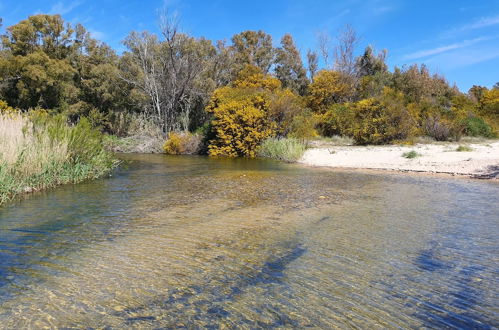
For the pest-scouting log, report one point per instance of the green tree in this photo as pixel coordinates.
(289, 66)
(253, 48)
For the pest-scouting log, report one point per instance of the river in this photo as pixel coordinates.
(197, 242)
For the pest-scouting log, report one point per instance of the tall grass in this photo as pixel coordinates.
(288, 150)
(40, 151)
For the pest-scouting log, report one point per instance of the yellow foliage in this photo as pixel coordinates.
(253, 77)
(328, 88)
(6, 109)
(381, 120)
(181, 143)
(239, 124)
(489, 107)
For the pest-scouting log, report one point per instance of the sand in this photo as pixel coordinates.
(481, 162)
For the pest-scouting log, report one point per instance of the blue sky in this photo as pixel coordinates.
(459, 39)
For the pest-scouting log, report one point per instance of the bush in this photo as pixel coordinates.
(381, 120)
(303, 127)
(241, 116)
(410, 154)
(335, 121)
(288, 150)
(182, 144)
(476, 126)
(464, 148)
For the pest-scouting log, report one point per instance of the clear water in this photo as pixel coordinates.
(196, 242)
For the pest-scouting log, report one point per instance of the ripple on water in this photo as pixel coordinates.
(198, 242)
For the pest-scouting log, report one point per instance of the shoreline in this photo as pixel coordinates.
(481, 162)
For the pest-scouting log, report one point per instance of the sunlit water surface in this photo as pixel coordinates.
(197, 242)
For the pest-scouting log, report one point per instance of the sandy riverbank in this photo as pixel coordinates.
(482, 161)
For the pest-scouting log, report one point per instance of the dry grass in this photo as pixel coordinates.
(44, 153)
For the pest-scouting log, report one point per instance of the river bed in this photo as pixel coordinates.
(197, 242)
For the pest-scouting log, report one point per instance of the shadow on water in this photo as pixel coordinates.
(208, 301)
(193, 242)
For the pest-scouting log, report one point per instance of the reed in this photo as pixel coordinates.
(40, 151)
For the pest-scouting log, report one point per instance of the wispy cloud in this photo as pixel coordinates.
(460, 59)
(63, 9)
(480, 23)
(442, 49)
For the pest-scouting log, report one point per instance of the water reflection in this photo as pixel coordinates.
(196, 242)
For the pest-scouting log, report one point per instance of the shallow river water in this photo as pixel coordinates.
(196, 242)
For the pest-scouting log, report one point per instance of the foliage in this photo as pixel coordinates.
(182, 144)
(303, 127)
(464, 149)
(41, 151)
(410, 154)
(476, 126)
(240, 121)
(337, 120)
(381, 120)
(289, 66)
(288, 150)
(327, 88)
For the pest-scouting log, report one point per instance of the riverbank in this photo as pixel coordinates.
(40, 151)
(480, 160)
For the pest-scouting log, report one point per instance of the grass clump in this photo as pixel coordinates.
(464, 148)
(288, 150)
(39, 151)
(411, 154)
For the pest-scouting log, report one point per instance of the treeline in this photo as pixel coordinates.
(235, 94)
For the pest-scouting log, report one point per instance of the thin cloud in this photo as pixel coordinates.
(454, 60)
(443, 49)
(62, 9)
(478, 24)
(481, 23)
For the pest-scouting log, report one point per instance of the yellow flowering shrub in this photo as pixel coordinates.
(381, 120)
(182, 143)
(240, 122)
(327, 88)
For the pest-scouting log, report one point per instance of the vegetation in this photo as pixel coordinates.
(40, 151)
(288, 150)
(236, 94)
(411, 154)
(182, 144)
(464, 148)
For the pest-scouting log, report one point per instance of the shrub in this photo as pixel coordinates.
(182, 144)
(464, 148)
(240, 116)
(381, 120)
(328, 87)
(335, 121)
(288, 150)
(303, 127)
(476, 126)
(411, 154)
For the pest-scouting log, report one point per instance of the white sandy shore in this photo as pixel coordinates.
(482, 161)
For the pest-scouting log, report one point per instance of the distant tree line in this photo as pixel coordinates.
(237, 93)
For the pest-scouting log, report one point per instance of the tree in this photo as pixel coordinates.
(171, 72)
(312, 60)
(289, 66)
(476, 92)
(253, 48)
(344, 52)
(37, 71)
(369, 64)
